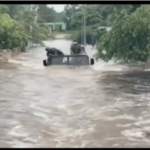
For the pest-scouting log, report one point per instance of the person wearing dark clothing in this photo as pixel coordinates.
(75, 48)
(53, 51)
(49, 52)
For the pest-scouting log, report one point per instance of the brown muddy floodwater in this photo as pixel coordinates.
(100, 106)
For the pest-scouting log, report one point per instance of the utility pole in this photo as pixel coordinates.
(84, 12)
(36, 13)
(72, 13)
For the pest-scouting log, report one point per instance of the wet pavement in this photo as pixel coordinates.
(106, 105)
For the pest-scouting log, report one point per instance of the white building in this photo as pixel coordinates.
(104, 27)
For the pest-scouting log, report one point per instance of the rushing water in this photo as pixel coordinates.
(100, 106)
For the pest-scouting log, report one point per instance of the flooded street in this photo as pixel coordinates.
(100, 106)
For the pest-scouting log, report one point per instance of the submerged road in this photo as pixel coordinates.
(100, 106)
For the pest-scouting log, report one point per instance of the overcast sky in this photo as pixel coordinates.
(58, 8)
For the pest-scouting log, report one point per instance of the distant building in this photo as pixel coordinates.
(56, 26)
(104, 27)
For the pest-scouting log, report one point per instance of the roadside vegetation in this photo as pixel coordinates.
(96, 16)
(23, 24)
(127, 41)
(129, 37)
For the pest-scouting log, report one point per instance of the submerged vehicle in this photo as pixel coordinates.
(74, 60)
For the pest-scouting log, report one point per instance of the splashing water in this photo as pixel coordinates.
(100, 106)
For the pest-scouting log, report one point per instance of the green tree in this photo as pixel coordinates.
(36, 32)
(46, 14)
(69, 12)
(134, 7)
(12, 34)
(93, 19)
(4, 9)
(106, 10)
(129, 39)
(22, 20)
(16, 10)
(59, 16)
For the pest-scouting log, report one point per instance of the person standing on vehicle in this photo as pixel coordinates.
(54, 52)
(75, 48)
(49, 51)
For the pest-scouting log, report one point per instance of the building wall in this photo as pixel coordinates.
(56, 25)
